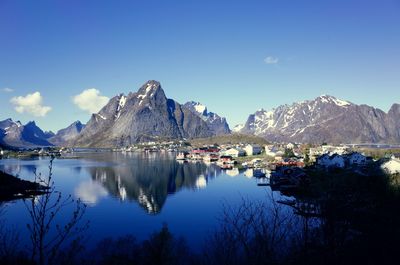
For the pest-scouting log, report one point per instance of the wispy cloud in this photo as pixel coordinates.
(7, 90)
(31, 104)
(271, 60)
(90, 100)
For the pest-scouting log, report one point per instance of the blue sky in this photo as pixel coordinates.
(233, 56)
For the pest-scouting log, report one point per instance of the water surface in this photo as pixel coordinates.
(136, 193)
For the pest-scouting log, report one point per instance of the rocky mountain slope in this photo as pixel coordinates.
(217, 124)
(14, 134)
(141, 116)
(325, 119)
(63, 136)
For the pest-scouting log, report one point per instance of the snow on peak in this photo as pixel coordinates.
(148, 91)
(331, 99)
(341, 103)
(200, 108)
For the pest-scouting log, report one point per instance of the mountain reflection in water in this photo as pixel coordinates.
(138, 177)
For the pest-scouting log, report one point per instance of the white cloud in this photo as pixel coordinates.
(90, 100)
(90, 192)
(271, 60)
(31, 103)
(7, 90)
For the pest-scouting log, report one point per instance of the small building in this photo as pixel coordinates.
(270, 150)
(252, 149)
(331, 161)
(357, 159)
(392, 166)
(290, 146)
(234, 152)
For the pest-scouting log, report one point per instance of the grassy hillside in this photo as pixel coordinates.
(229, 139)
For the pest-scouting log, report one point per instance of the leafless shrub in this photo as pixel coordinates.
(47, 235)
(251, 233)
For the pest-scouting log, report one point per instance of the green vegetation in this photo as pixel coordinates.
(288, 153)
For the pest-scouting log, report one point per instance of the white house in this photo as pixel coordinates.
(270, 150)
(392, 166)
(334, 160)
(252, 149)
(290, 146)
(357, 159)
(234, 152)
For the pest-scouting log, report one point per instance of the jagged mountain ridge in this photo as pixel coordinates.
(63, 136)
(217, 124)
(15, 134)
(325, 119)
(141, 116)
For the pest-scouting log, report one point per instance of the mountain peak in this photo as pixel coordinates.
(151, 89)
(331, 99)
(197, 106)
(31, 122)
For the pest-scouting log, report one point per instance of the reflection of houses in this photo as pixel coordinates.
(255, 172)
(232, 172)
(201, 182)
(249, 172)
(252, 149)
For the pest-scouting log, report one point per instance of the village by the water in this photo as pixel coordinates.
(283, 166)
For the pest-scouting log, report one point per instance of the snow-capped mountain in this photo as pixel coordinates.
(217, 124)
(325, 119)
(14, 134)
(141, 116)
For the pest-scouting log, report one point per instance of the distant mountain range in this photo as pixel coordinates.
(13, 134)
(325, 119)
(148, 115)
(63, 136)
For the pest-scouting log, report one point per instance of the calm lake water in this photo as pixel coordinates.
(136, 193)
